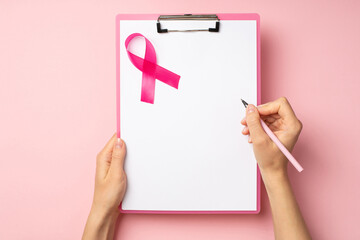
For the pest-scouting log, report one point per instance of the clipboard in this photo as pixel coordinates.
(161, 181)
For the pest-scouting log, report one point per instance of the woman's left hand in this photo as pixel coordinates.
(110, 186)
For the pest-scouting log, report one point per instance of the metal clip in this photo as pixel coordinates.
(209, 17)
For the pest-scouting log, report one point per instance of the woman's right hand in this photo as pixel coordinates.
(281, 119)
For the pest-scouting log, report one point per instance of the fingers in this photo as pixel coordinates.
(280, 106)
(245, 131)
(243, 121)
(118, 157)
(256, 131)
(103, 159)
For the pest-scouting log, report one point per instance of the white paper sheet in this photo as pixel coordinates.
(186, 151)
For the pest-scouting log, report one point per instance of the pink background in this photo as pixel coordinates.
(57, 106)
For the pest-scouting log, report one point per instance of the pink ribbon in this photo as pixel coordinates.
(150, 70)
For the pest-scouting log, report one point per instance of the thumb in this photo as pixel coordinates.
(257, 133)
(118, 155)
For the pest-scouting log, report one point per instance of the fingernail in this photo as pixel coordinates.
(250, 109)
(118, 143)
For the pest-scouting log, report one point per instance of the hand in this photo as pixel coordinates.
(281, 119)
(110, 186)
(110, 178)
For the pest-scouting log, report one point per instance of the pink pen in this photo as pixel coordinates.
(278, 143)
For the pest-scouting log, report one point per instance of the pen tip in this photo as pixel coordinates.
(245, 103)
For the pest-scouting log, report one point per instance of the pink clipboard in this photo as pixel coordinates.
(222, 16)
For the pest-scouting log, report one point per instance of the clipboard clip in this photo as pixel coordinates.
(206, 17)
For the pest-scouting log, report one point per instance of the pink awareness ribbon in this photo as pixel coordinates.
(150, 70)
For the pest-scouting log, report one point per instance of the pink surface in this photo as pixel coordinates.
(245, 16)
(57, 105)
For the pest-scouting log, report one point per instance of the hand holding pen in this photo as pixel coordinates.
(274, 130)
(272, 126)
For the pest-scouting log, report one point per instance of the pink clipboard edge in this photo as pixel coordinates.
(222, 16)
